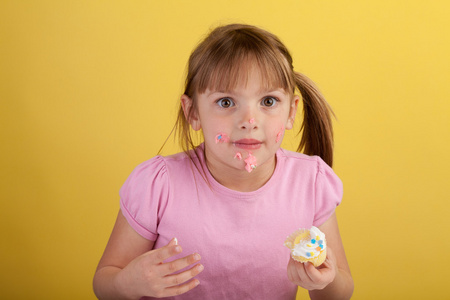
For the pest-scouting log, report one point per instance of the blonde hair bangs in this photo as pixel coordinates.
(226, 58)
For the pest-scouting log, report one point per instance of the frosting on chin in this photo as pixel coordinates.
(250, 163)
(312, 246)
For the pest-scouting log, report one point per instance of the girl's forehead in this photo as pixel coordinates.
(234, 78)
(252, 86)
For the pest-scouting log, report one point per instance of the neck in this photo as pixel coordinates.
(241, 180)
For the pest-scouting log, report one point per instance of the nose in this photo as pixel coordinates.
(248, 120)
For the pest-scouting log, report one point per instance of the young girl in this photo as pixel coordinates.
(209, 223)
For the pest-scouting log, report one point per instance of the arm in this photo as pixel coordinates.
(127, 270)
(332, 280)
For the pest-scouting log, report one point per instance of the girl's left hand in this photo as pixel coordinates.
(311, 278)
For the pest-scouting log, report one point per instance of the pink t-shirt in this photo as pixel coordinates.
(239, 235)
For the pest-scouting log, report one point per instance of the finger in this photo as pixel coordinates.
(179, 264)
(319, 275)
(181, 289)
(311, 271)
(326, 264)
(161, 254)
(289, 275)
(301, 270)
(292, 272)
(173, 241)
(180, 278)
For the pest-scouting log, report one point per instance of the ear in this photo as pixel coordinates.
(292, 112)
(190, 113)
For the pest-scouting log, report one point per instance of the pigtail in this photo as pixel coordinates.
(317, 128)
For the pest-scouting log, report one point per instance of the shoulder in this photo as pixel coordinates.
(167, 170)
(305, 167)
(295, 161)
(161, 164)
(296, 155)
(155, 171)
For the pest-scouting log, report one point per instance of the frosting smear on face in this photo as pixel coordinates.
(222, 138)
(279, 134)
(250, 161)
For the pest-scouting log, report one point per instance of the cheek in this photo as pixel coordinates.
(279, 133)
(276, 131)
(217, 132)
(221, 138)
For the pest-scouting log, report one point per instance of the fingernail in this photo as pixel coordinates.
(178, 249)
(197, 256)
(200, 268)
(175, 240)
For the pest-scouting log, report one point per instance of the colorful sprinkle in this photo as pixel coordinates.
(313, 241)
(308, 254)
(222, 138)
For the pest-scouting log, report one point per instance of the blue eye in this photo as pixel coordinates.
(269, 101)
(225, 102)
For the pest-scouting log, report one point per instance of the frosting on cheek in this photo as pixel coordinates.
(279, 134)
(222, 138)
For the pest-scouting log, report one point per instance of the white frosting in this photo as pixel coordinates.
(312, 246)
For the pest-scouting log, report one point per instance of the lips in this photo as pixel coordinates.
(247, 144)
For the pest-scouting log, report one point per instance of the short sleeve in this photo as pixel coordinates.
(144, 195)
(328, 193)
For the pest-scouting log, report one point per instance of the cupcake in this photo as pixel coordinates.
(308, 245)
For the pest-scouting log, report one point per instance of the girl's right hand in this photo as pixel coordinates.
(149, 275)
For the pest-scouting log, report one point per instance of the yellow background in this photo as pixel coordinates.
(88, 90)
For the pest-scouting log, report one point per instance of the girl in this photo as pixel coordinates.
(209, 223)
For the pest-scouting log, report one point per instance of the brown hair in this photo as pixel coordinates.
(223, 59)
